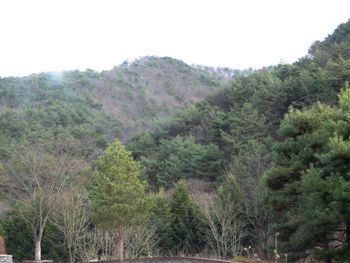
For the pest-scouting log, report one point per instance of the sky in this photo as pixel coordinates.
(54, 35)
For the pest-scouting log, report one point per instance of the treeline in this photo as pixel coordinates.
(65, 215)
(245, 171)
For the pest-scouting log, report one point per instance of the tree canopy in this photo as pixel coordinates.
(310, 180)
(118, 199)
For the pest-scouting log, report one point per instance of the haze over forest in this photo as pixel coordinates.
(226, 161)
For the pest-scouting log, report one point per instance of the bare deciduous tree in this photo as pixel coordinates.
(103, 244)
(259, 219)
(249, 167)
(72, 218)
(224, 219)
(139, 240)
(36, 179)
(226, 231)
(98, 244)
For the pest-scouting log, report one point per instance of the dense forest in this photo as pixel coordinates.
(243, 165)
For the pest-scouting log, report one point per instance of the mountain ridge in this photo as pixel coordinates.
(98, 107)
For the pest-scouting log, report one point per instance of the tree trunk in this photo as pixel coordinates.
(71, 257)
(348, 233)
(37, 236)
(328, 258)
(37, 249)
(121, 245)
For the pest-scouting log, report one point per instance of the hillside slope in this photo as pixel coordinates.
(229, 128)
(94, 108)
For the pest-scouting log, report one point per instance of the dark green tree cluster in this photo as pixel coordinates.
(310, 181)
(179, 222)
(181, 158)
(19, 244)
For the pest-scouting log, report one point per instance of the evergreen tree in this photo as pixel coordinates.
(234, 129)
(118, 199)
(310, 181)
(161, 218)
(186, 223)
(20, 245)
(181, 158)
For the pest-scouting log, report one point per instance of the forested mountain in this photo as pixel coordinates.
(95, 108)
(219, 129)
(211, 148)
(235, 131)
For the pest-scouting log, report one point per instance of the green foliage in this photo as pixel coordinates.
(47, 108)
(251, 162)
(231, 129)
(142, 144)
(335, 46)
(249, 109)
(234, 129)
(75, 104)
(310, 179)
(160, 216)
(19, 244)
(181, 158)
(183, 121)
(210, 80)
(229, 193)
(11, 125)
(118, 198)
(186, 222)
(249, 166)
(53, 245)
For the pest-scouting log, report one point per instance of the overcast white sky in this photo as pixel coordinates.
(54, 35)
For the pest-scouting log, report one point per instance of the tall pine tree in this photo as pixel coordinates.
(118, 199)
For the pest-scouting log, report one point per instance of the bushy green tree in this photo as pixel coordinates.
(310, 181)
(181, 158)
(118, 199)
(141, 144)
(161, 218)
(186, 230)
(232, 130)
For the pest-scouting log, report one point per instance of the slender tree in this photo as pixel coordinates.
(72, 218)
(224, 217)
(118, 200)
(249, 167)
